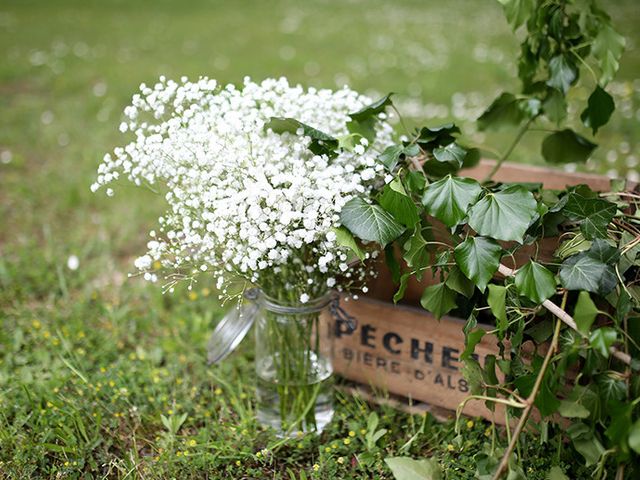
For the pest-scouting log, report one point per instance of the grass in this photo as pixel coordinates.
(101, 375)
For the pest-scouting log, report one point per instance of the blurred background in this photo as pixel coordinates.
(74, 330)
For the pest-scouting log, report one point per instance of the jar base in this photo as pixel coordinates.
(295, 408)
(270, 418)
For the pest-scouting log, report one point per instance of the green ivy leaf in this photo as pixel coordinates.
(556, 473)
(583, 272)
(504, 215)
(546, 401)
(497, 303)
(372, 110)
(438, 299)
(478, 258)
(452, 153)
(634, 437)
(594, 214)
(620, 425)
(517, 11)
(599, 109)
(472, 336)
(432, 137)
(566, 146)
(363, 122)
(562, 73)
(392, 263)
(370, 222)
(607, 48)
(392, 154)
(555, 106)
(321, 143)
(585, 312)
(535, 282)
(458, 282)
(415, 252)
(585, 442)
(436, 169)
(602, 339)
(573, 409)
(591, 270)
(402, 288)
(345, 239)
(365, 128)
(394, 200)
(349, 142)
(503, 112)
(610, 387)
(405, 468)
(449, 198)
(472, 373)
(415, 181)
(604, 252)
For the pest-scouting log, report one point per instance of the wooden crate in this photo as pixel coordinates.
(402, 349)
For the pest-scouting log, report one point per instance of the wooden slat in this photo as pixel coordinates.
(549, 177)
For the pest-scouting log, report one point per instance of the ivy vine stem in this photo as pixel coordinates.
(504, 462)
(566, 318)
(524, 129)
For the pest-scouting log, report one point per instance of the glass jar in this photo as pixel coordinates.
(293, 366)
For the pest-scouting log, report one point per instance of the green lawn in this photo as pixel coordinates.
(90, 360)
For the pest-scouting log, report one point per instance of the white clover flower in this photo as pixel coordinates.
(243, 200)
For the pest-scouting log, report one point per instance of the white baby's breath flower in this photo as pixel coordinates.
(73, 262)
(243, 200)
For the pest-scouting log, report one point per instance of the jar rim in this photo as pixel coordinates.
(312, 306)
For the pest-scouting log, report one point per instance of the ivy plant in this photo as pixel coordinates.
(580, 306)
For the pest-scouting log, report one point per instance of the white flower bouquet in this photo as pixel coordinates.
(255, 179)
